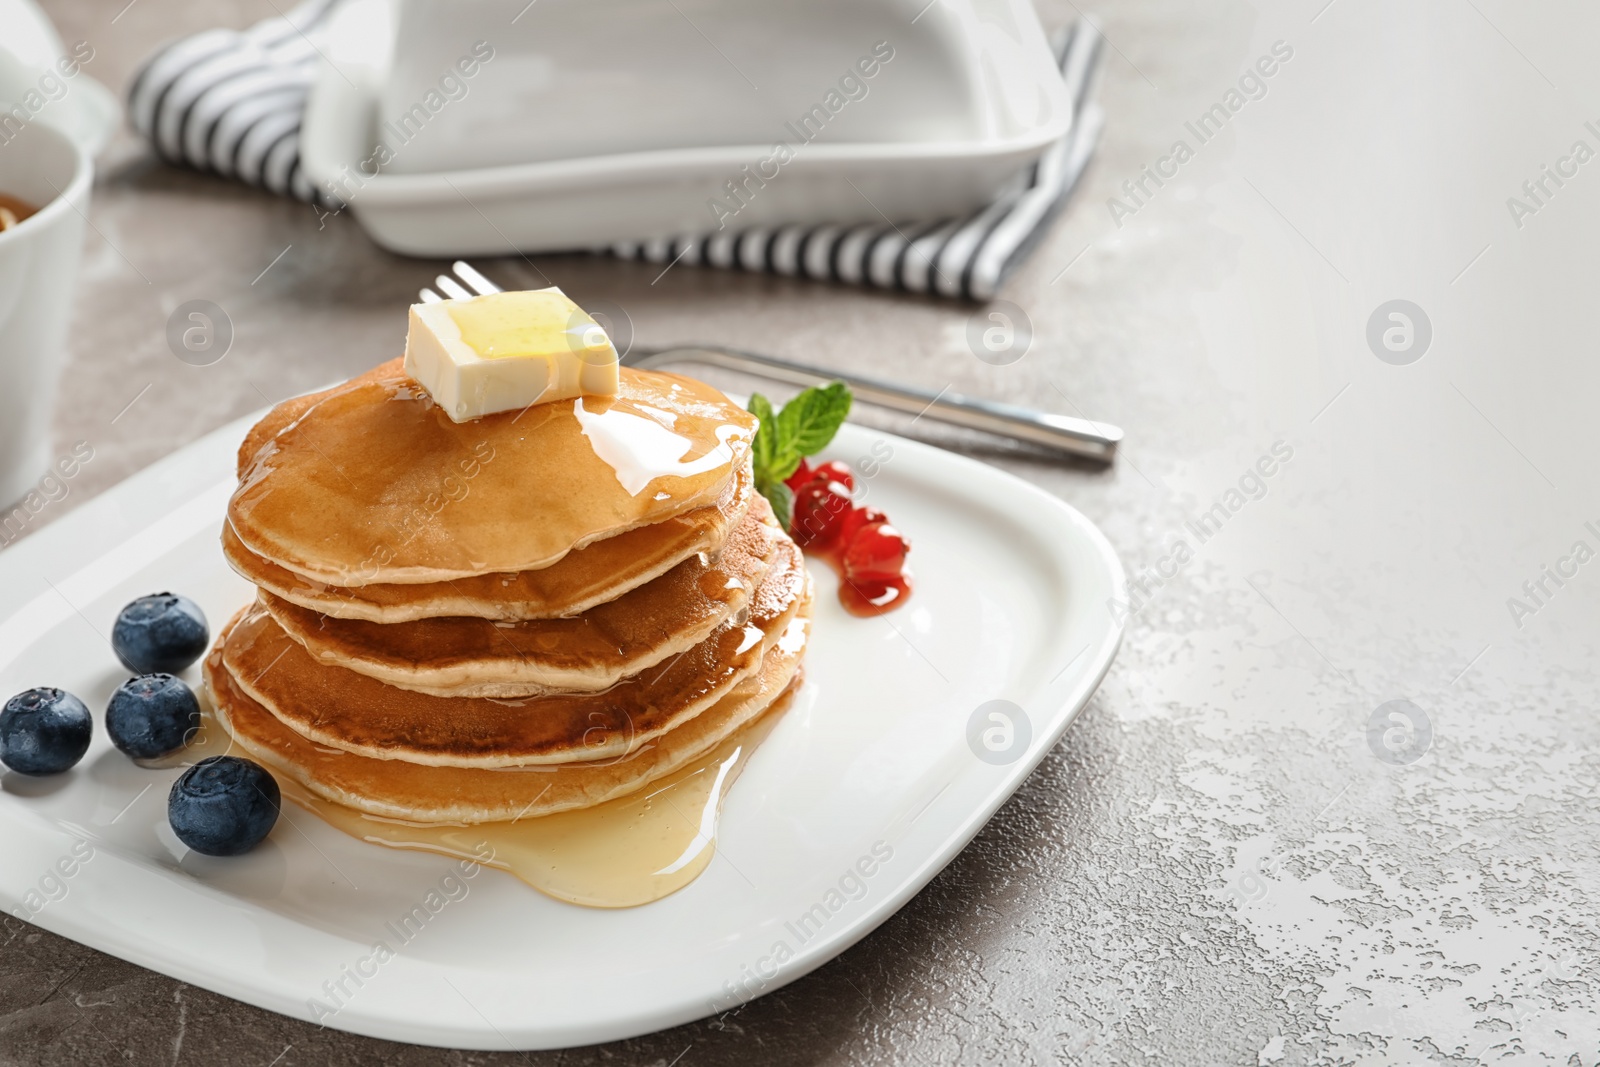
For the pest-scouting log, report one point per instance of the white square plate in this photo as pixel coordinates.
(871, 770)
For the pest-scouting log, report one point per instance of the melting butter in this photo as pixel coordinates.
(641, 449)
(506, 351)
(507, 325)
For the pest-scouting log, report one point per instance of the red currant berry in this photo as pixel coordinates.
(877, 553)
(836, 471)
(859, 517)
(819, 513)
(802, 474)
(873, 598)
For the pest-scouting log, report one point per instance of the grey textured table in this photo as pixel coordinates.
(1237, 855)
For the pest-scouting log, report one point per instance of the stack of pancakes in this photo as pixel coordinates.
(528, 613)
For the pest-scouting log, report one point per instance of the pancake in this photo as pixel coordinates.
(342, 709)
(465, 657)
(372, 482)
(577, 582)
(405, 791)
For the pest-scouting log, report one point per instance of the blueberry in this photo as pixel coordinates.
(161, 632)
(44, 731)
(223, 806)
(152, 715)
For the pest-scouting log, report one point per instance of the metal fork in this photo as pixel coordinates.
(1079, 437)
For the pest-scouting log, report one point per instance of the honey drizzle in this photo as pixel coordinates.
(619, 854)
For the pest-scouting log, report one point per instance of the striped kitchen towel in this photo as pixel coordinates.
(230, 102)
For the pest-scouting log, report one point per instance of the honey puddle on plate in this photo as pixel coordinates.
(619, 854)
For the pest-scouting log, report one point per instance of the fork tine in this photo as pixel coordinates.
(474, 279)
(452, 288)
(429, 296)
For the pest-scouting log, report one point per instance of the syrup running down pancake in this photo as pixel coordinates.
(466, 657)
(372, 482)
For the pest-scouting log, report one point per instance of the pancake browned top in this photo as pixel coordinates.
(577, 582)
(465, 657)
(339, 708)
(372, 482)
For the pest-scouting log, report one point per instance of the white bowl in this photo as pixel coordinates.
(38, 274)
(583, 124)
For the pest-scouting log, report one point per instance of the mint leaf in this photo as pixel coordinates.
(803, 428)
(782, 500)
(781, 471)
(809, 421)
(762, 449)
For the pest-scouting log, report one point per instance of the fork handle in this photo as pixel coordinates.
(1091, 440)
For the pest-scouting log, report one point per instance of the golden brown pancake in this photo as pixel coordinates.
(406, 791)
(372, 482)
(583, 578)
(345, 710)
(465, 657)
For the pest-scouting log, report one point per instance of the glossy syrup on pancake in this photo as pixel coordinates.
(467, 657)
(372, 482)
(345, 710)
(617, 854)
(583, 578)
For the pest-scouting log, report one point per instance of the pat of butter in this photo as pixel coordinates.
(505, 351)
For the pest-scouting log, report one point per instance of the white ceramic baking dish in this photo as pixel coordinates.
(485, 127)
